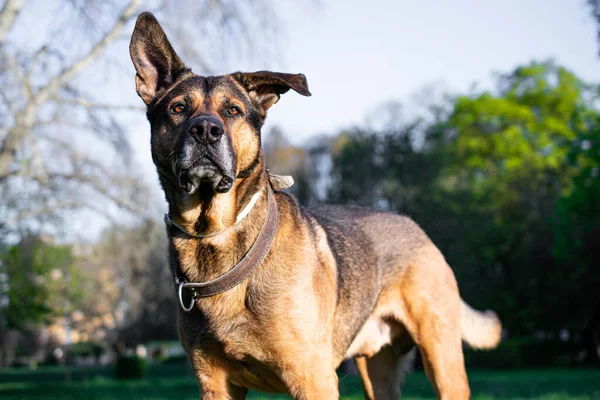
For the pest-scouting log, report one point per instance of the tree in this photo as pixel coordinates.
(511, 152)
(392, 165)
(134, 295)
(40, 283)
(43, 167)
(65, 149)
(306, 164)
(43, 283)
(63, 143)
(576, 226)
(281, 156)
(506, 184)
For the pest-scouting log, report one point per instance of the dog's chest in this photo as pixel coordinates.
(224, 327)
(235, 343)
(255, 375)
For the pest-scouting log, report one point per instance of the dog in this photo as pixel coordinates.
(274, 296)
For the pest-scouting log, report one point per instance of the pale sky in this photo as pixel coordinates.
(357, 54)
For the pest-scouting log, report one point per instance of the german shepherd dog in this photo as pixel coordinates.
(282, 309)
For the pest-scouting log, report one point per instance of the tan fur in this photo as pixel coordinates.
(335, 283)
(250, 326)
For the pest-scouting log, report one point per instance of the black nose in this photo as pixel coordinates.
(206, 129)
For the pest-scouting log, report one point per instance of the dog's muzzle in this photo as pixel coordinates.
(206, 156)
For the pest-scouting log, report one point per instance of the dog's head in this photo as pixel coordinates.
(205, 129)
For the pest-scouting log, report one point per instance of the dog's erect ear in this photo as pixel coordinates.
(265, 87)
(154, 59)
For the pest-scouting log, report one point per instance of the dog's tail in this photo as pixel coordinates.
(481, 330)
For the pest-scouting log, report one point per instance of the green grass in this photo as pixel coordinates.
(165, 382)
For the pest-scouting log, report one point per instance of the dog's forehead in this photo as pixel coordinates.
(201, 88)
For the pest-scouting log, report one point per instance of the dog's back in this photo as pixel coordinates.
(376, 251)
(395, 239)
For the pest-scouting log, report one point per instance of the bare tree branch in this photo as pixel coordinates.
(48, 120)
(7, 101)
(25, 83)
(8, 15)
(11, 145)
(61, 206)
(45, 209)
(92, 183)
(27, 118)
(92, 105)
(76, 67)
(41, 53)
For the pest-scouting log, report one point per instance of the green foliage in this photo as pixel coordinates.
(130, 367)
(507, 183)
(41, 283)
(521, 133)
(87, 349)
(527, 154)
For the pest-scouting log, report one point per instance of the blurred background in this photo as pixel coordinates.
(480, 120)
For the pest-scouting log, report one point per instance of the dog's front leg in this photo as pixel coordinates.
(317, 381)
(318, 387)
(232, 393)
(213, 379)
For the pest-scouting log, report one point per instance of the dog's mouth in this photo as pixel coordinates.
(205, 172)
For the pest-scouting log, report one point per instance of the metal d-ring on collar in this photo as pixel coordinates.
(180, 294)
(242, 269)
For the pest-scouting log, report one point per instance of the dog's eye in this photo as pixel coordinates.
(178, 108)
(233, 110)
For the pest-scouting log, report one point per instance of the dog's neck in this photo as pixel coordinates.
(206, 214)
(229, 222)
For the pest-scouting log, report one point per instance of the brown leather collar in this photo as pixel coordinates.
(242, 269)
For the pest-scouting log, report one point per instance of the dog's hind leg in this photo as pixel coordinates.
(361, 366)
(432, 315)
(382, 374)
